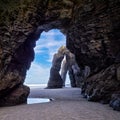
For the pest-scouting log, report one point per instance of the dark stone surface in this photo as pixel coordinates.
(115, 101)
(17, 96)
(102, 85)
(92, 30)
(55, 80)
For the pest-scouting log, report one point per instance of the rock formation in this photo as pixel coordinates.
(70, 58)
(92, 30)
(18, 96)
(64, 69)
(55, 80)
(77, 75)
(69, 65)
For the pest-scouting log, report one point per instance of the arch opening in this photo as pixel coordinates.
(46, 46)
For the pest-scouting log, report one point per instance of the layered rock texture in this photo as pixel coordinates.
(92, 30)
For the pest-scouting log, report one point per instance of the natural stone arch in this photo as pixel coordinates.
(92, 35)
(20, 34)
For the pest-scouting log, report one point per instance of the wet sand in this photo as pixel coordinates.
(68, 104)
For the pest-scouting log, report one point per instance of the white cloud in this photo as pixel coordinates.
(37, 74)
(52, 33)
(50, 42)
(38, 50)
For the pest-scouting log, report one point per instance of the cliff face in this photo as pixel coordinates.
(92, 29)
(94, 38)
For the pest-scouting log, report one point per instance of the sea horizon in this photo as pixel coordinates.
(35, 85)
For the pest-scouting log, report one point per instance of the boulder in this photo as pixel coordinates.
(16, 96)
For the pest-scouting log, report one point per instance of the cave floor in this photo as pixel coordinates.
(68, 104)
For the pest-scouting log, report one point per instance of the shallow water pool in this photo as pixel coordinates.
(37, 100)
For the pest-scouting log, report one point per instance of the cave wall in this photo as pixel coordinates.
(94, 34)
(21, 23)
(94, 37)
(18, 21)
(92, 29)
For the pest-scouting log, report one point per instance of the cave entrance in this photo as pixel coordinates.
(47, 45)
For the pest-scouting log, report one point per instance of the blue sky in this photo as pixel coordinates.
(46, 46)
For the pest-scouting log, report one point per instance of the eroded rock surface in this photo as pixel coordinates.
(92, 30)
(16, 96)
(102, 85)
(95, 43)
(70, 65)
(55, 80)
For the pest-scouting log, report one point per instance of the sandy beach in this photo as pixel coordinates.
(68, 104)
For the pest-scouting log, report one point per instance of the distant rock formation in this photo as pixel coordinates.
(55, 80)
(70, 58)
(64, 61)
(69, 65)
(64, 70)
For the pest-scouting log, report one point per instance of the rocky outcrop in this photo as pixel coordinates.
(63, 62)
(70, 58)
(92, 30)
(64, 69)
(16, 96)
(55, 80)
(95, 43)
(102, 85)
(69, 65)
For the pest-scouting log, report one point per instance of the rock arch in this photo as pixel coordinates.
(18, 37)
(92, 29)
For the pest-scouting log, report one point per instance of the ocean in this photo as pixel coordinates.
(42, 85)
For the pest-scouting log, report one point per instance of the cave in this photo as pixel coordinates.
(46, 46)
(92, 30)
